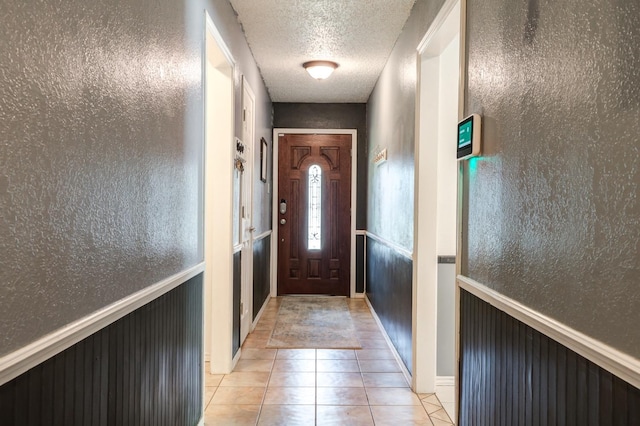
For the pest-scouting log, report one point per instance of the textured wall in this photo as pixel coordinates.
(552, 215)
(100, 152)
(391, 125)
(225, 19)
(100, 141)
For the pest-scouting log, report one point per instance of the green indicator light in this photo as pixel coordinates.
(473, 166)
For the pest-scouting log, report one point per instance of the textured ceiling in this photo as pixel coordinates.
(357, 34)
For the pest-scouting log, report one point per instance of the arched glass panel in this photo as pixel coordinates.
(314, 216)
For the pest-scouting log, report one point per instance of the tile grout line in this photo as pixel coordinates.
(266, 388)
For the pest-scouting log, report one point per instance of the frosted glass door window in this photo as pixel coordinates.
(315, 213)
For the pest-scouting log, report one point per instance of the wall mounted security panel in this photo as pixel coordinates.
(469, 135)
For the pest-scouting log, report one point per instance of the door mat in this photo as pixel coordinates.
(309, 322)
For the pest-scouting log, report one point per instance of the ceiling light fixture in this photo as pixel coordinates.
(320, 69)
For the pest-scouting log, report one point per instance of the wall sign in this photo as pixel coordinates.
(380, 157)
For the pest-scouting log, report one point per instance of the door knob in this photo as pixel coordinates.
(283, 221)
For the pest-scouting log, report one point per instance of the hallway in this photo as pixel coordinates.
(318, 386)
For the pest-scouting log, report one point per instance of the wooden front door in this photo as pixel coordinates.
(314, 214)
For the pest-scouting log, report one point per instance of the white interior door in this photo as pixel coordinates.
(246, 210)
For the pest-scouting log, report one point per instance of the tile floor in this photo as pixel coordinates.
(318, 386)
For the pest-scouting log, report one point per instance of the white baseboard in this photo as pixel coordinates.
(445, 380)
(613, 360)
(235, 359)
(255, 321)
(24, 359)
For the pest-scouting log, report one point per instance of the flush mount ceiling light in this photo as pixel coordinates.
(320, 69)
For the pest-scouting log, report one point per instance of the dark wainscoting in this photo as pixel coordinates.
(360, 262)
(261, 276)
(144, 369)
(511, 374)
(237, 289)
(389, 289)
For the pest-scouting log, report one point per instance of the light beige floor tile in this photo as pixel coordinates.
(260, 334)
(266, 327)
(379, 366)
(208, 394)
(340, 380)
(342, 396)
(329, 415)
(212, 380)
(440, 415)
(393, 396)
(299, 365)
(251, 353)
(400, 415)
(254, 365)
(438, 422)
(290, 396)
(373, 344)
(246, 378)
(450, 408)
(337, 366)
(255, 343)
(431, 408)
(288, 379)
(374, 354)
(231, 415)
(290, 415)
(335, 354)
(384, 380)
(241, 395)
(296, 354)
(432, 399)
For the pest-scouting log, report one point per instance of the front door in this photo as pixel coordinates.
(314, 214)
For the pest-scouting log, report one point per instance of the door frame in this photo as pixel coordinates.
(425, 275)
(275, 203)
(218, 123)
(247, 229)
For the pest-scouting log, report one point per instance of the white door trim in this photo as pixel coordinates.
(425, 309)
(218, 85)
(354, 174)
